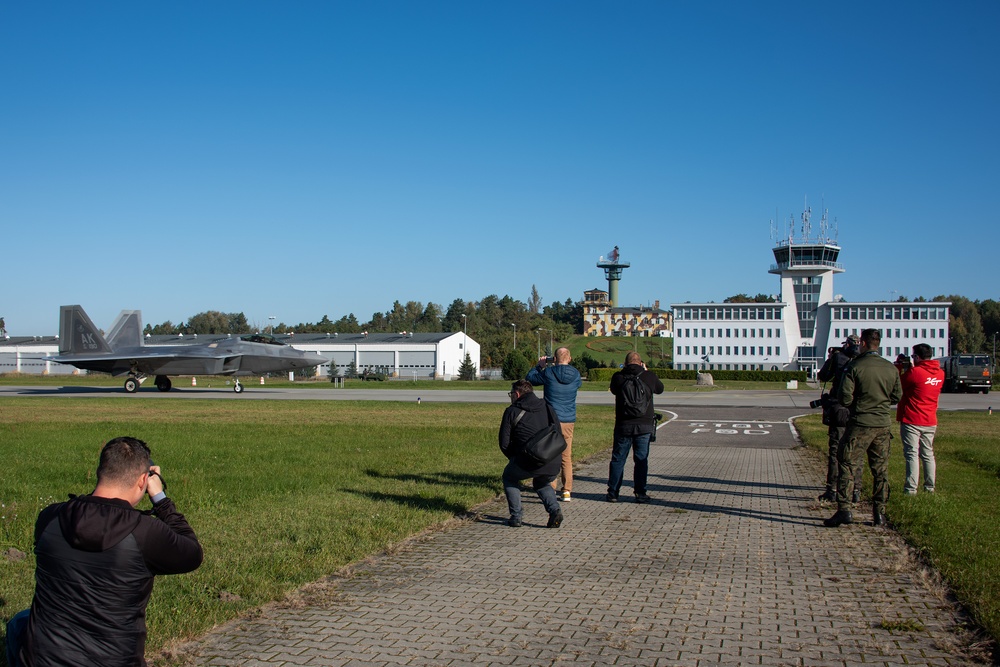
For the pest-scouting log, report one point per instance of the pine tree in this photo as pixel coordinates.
(467, 371)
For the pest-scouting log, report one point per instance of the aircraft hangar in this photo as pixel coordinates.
(403, 355)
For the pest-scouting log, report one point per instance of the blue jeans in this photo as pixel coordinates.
(512, 476)
(639, 444)
(16, 627)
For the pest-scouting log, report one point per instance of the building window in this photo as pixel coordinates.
(777, 351)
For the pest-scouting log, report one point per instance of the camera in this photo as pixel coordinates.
(549, 361)
(657, 416)
(819, 402)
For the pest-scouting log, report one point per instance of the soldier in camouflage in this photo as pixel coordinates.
(869, 388)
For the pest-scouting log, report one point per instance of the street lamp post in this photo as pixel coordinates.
(271, 324)
(465, 334)
(515, 335)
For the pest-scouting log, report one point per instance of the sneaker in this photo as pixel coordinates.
(642, 498)
(555, 519)
(565, 497)
(514, 523)
(612, 498)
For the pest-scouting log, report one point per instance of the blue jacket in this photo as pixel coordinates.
(560, 384)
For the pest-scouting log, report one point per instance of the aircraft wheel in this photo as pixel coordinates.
(131, 385)
(163, 383)
(238, 388)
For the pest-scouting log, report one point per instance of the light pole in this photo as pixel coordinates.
(994, 353)
(515, 336)
(465, 334)
(271, 327)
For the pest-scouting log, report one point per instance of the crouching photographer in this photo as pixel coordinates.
(835, 415)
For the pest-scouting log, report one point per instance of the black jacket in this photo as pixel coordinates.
(537, 415)
(833, 370)
(96, 558)
(639, 425)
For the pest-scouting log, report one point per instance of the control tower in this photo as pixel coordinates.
(613, 267)
(806, 264)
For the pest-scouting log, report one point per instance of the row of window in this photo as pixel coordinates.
(735, 333)
(727, 313)
(888, 333)
(890, 313)
(887, 352)
(728, 367)
(732, 350)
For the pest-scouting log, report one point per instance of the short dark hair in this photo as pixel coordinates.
(522, 387)
(872, 338)
(123, 459)
(923, 350)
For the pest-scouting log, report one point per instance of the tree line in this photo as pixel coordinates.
(502, 325)
(496, 323)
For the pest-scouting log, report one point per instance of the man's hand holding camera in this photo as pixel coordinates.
(155, 486)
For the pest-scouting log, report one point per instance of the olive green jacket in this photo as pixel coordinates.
(870, 386)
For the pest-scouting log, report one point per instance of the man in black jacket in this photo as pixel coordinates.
(526, 416)
(832, 371)
(632, 431)
(96, 559)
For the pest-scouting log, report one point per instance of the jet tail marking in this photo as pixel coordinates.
(77, 333)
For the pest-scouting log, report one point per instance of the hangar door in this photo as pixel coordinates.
(419, 363)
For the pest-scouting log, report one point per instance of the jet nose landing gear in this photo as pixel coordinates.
(237, 387)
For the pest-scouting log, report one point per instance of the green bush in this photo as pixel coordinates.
(604, 375)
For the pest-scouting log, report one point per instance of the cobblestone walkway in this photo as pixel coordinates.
(729, 565)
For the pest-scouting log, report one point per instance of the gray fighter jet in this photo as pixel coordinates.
(124, 352)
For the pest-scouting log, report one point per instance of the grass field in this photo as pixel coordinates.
(281, 493)
(957, 528)
(220, 382)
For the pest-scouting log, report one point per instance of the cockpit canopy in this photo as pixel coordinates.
(261, 338)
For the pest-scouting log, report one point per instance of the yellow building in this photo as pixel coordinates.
(602, 318)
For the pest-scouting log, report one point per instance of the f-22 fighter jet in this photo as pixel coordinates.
(123, 352)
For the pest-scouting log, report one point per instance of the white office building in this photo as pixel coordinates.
(795, 332)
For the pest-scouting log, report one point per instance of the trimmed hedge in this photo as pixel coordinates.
(604, 375)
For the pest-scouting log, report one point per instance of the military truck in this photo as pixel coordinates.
(967, 373)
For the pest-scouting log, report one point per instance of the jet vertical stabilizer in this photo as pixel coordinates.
(126, 331)
(78, 335)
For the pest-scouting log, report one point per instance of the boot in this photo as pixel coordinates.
(841, 518)
(829, 496)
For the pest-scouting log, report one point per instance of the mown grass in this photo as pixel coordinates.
(280, 493)
(957, 528)
(97, 380)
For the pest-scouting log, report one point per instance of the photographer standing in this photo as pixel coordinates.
(869, 386)
(561, 381)
(96, 559)
(835, 416)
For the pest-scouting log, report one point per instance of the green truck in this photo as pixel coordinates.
(967, 373)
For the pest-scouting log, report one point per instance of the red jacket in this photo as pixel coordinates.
(921, 389)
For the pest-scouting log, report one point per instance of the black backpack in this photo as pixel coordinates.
(637, 399)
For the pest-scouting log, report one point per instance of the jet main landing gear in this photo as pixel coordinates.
(162, 383)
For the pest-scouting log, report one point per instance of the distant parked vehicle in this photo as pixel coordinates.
(967, 373)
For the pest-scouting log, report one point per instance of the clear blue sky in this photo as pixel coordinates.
(310, 158)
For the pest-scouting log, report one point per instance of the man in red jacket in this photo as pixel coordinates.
(917, 417)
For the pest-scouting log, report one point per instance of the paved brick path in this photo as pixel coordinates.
(728, 566)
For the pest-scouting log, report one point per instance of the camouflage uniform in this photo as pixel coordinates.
(870, 386)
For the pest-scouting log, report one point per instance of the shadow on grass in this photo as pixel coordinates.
(442, 478)
(422, 503)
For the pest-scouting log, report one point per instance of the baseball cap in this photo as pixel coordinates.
(853, 339)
